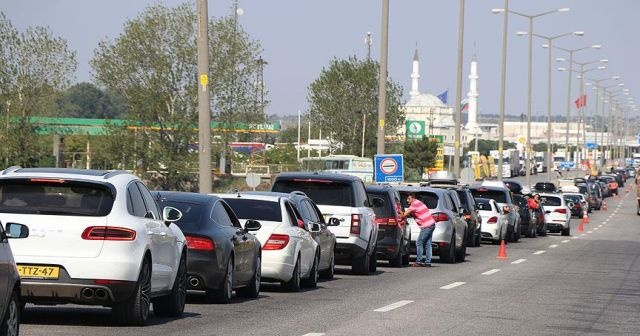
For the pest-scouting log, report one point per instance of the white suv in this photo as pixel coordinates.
(95, 238)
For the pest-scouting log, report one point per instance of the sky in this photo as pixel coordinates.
(300, 37)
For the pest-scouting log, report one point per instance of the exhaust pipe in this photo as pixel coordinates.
(101, 294)
(194, 281)
(87, 293)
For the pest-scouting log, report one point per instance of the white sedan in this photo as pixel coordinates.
(290, 255)
(557, 213)
(494, 221)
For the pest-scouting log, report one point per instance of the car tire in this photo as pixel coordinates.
(477, 239)
(462, 254)
(397, 260)
(373, 261)
(314, 274)
(516, 234)
(135, 310)
(10, 324)
(224, 294)
(566, 232)
(252, 290)
(173, 304)
(360, 265)
(448, 255)
(293, 285)
(329, 272)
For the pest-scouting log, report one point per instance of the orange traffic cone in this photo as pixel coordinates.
(502, 252)
(585, 217)
(581, 226)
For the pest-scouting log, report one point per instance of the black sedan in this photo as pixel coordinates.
(222, 256)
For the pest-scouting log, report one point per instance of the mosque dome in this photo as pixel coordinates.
(425, 99)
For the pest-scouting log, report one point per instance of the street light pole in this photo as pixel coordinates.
(382, 80)
(204, 113)
(456, 143)
(503, 80)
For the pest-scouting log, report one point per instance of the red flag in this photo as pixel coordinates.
(581, 101)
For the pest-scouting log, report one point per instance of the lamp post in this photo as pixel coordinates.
(527, 149)
(456, 142)
(549, 40)
(503, 80)
(382, 81)
(597, 87)
(571, 52)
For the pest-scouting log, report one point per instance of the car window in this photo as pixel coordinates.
(313, 213)
(220, 215)
(303, 210)
(385, 211)
(360, 194)
(149, 202)
(135, 201)
(67, 198)
(231, 214)
(293, 214)
(324, 192)
(265, 210)
(192, 214)
(483, 205)
(454, 204)
(499, 196)
(572, 198)
(550, 201)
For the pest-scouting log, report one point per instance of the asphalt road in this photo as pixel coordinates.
(588, 283)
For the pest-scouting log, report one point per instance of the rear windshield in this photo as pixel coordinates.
(321, 192)
(386, 211)
(55, 197)
(497, 195)
(255, 209)
(192, 214)
(572, 198)
(483, 204)
(550, 201)
(463, 198)
(428, 198)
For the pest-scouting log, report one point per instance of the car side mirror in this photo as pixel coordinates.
(333, 222)
(314, 227)
(252, 225)
(16, 231)
(171, 214)
(378, 202)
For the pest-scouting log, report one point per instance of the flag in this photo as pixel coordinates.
(443, 97)
(464, 105)
(581, 101)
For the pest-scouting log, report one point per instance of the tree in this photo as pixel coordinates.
(35, 67)
(343, 95)
(85, 100)
(418, 155)
(484, 146)
(152, 65)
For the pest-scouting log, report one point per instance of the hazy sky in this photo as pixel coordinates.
(300, 37)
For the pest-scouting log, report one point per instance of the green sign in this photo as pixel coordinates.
(415, 129)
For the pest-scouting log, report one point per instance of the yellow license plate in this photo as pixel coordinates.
(38, 272)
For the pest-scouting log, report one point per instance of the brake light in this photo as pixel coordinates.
(200, 243)
(386, 221)
(561, 210)
(493, 220)
(355, 224)
(108, 233)
(276, 242)
(440, 217)
(47, 180)
(107, 282)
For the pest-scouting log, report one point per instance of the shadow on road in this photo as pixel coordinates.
(80, 316)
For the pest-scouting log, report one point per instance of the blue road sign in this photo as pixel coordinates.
(389, 168)
(592, 145)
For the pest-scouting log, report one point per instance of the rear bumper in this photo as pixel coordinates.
(204, 271)
(557, 225)
(389, 242)
(348, 249)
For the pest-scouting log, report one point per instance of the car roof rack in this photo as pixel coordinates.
(113, 173)
(10, 170)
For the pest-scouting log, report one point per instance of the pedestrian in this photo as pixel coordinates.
(534, 202)
(421, 213)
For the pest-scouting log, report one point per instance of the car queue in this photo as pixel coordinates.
(167, 244)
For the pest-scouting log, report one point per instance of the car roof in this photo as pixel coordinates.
(183, 196)
(268, 196)
(70, 173)
(294, 195)
(437, 191)
(317, 176)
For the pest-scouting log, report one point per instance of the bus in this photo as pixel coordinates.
(344, 164)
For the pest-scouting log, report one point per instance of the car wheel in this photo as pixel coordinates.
(566, 232)
(516, 234)
(135, 310)
(329, 272)
(173, 304)
(397, 260)
(448, 255)
(360, 266)
(462, 254)
(253, 289)
(10, 324)
(293, 285)
(373, 261)
(477, 239)
(223, 294)
(314, 274)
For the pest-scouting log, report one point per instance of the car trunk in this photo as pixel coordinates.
(343, 214)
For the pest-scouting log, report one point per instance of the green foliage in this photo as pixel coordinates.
(345, 92)
(85, 100)
(418, 155)
(484, 146)
(284, 154)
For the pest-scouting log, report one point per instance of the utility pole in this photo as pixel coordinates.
(382, 81)
(204, 113)
(456, 103)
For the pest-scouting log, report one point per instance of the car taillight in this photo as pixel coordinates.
(276, 242)
(440, 217)
(200, 243)
(493, 220)
(386, 221)
(108, 233)
(561, 210)
(355, 224)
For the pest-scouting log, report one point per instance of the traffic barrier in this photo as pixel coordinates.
(502, 252)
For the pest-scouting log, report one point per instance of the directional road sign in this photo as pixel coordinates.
(389, 168)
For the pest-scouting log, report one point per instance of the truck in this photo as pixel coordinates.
(510, 161)
(541, 159)
(636, 160)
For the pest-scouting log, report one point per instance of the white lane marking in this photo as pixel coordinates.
(393, 306)
(519, 261)
(553, 246)
(596, 229)
(600, 225)
(453, 285)
(539, 252)
(584, 234)
(589, 231)
(565, 241)
(313, 334)
(489, 272)
(576, 237)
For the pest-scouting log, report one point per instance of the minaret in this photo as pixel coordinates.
(472, 124)
(415, 75)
